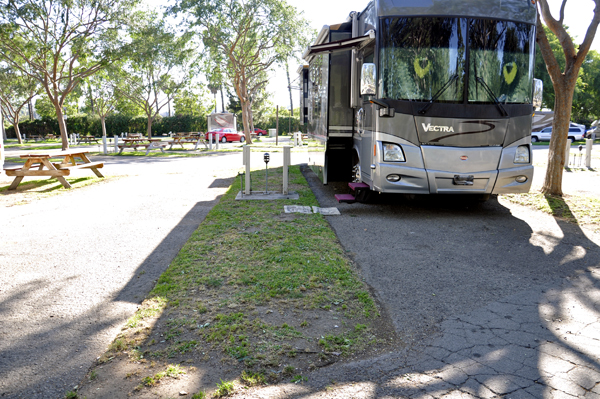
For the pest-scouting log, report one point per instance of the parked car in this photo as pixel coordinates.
(576, 133)
(260, 132)
(226, 134)
(588, 134)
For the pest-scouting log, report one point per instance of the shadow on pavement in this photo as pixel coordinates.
(24, 373)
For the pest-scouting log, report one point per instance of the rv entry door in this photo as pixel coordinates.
(366, 127)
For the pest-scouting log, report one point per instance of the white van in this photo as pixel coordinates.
(576, 133)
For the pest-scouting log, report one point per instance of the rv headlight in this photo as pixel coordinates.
(522, 154)
(393, 153)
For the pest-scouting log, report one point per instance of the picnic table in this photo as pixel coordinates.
(188, 138)
(34, 137)
(88, 139)
(148, 144)
(39, 164)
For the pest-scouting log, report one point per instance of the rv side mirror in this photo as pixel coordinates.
(538, 92)
(367, 80)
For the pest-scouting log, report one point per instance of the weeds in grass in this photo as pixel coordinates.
(118, 345)
(199, 395)
(224, 388)
(299, 379)
(172, 371)
(71, 395)
(251, 378)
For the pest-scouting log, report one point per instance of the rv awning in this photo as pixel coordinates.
(340, 45)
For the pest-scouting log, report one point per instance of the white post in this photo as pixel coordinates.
(568, 152)
(210, 140)
(217, 142)
(116, 143)
(247, 165)
(286, 166)
(588, 152)
(104, 149)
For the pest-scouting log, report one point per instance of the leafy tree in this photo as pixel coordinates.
(62, 42)
(189, 102)
(586, 107)
(102, 97)
(250, 36)
(541, 72)
(564, 81)
(45, 108)
(156, 68)
(16, 90)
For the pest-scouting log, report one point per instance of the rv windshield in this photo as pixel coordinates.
(420, 55)
(501, 57)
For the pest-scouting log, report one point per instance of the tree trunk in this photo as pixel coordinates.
(103, 122)
(62, 126)
(245, 120)
(17, 130)
(2, 127)
(558, 142)
(222, 99)
(149, 127)
(289, 89)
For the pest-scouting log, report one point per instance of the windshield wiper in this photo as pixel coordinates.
(438, 94)
(493, 96)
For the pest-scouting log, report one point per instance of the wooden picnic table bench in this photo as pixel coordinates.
(39, 164)
(88, 139)
(34, 137)
(148, 144)
(192, 139)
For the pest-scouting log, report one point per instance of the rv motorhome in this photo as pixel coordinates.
(424, 97)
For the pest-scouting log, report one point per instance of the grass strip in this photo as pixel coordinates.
(578, 209)
(270, 293)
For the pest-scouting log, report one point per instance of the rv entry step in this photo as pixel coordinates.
(348, 198)
(354, 185)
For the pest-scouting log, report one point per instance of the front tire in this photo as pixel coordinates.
(534, 139)
(242, 139)
(224, 139)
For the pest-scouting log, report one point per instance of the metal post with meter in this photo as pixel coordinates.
(267, 158)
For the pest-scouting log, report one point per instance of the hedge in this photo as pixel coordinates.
(115, 125)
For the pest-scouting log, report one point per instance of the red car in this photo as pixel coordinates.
(260, 132)
(226, 134)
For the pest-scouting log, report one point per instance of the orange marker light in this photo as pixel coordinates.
(374, 150)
